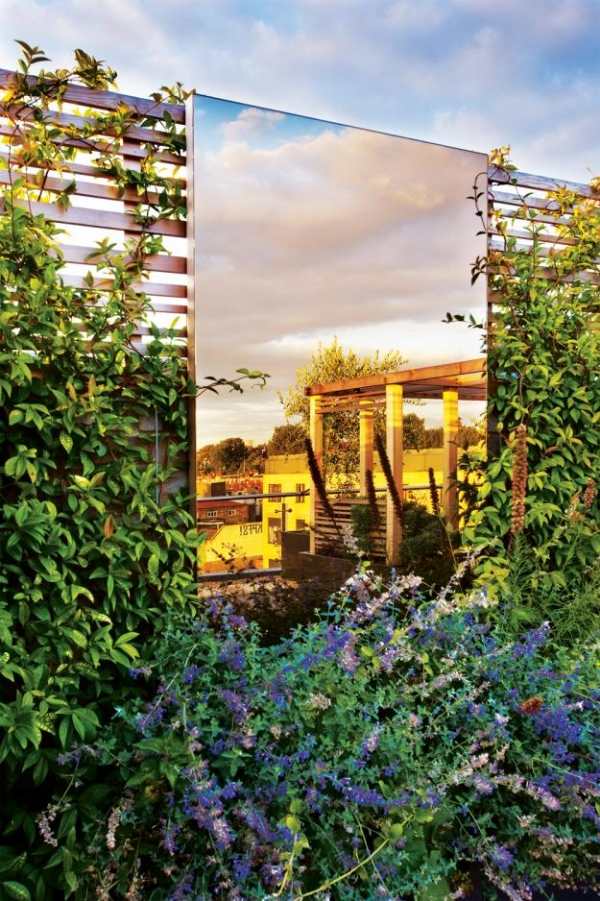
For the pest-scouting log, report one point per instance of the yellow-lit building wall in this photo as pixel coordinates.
(249, 545)
(234, 546)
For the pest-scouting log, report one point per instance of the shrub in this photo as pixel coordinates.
(384, 750)
(427, 547)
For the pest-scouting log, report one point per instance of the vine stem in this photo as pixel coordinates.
(345, 875)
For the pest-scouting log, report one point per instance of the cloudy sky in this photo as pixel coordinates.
(309, 230)
(469, 73)
(473, 73)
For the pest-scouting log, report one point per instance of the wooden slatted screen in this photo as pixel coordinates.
(512, 197)
(99, 210)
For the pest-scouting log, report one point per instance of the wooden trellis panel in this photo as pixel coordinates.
(511, 195)
(99, 210)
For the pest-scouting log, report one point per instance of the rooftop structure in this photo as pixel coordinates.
(449, 382)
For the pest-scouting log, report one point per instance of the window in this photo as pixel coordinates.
(211, 514)
(274, 524)
(300, 487)
(274, 489)
(300, 524)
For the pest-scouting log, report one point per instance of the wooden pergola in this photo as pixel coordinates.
(448, 382)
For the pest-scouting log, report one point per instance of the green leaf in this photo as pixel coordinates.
(66, 441)
(16, 890)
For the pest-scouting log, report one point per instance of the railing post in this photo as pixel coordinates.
(316, 439)
(450, 401)
(394, 423)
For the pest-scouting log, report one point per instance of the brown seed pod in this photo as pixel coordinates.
(590, 493)
(519, 479)
(434, 493)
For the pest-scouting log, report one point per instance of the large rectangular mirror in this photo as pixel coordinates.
(323, 252)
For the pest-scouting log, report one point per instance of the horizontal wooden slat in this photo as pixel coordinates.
(535, 217)
(496, 243)
(161, 262)
(55, 185)
(127, 148)
(103, 219)
(75, 168)
(539, 182)
(531, 201)
(110, 100)
(523, 235)
(68, 120)
(146, 330)
(147, 287)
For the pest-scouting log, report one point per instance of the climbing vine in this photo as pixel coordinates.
(94, 548)
(543, 358)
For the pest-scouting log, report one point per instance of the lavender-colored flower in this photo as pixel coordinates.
(482, 785)
(242, 867)
(556, 722)
(235, 704)
(44, 822)
(501, 857)
(191, 673)
(233, 655)
(371, 742)
(169, 836)
(533, 640)
(348, 658)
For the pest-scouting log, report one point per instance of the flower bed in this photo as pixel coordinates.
(384, 751)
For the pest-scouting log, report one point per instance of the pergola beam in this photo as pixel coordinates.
(438, 374)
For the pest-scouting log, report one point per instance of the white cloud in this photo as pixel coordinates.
(250, 122)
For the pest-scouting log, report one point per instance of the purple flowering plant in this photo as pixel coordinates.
(398, 747)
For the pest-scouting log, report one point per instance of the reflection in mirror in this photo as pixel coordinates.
(328, 256)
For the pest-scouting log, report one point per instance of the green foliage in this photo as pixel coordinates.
(232, 456)
(329, 363)
(427, 547)
(530, 595)
(543, 358)
(94, 548)
(362, 525)
(400, 740)
(287, 439)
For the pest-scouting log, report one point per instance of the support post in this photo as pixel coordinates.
(366, 442)
(450, 497)
(316, 439)
(394, 441)
(193, 271)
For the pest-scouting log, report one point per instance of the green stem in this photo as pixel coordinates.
(345, 875)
